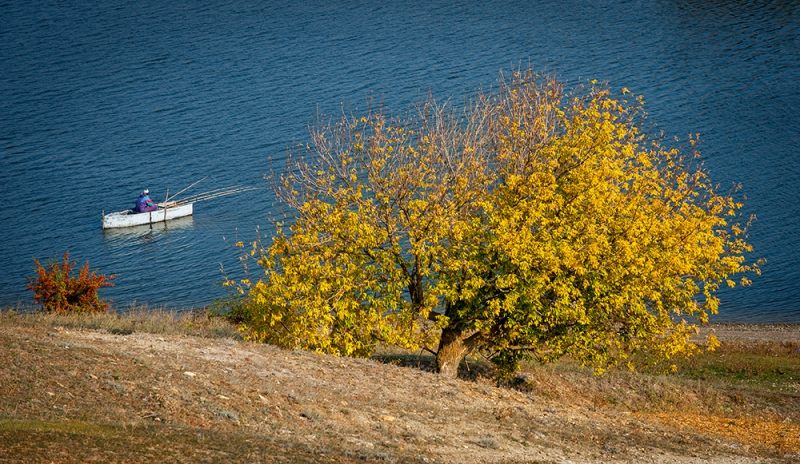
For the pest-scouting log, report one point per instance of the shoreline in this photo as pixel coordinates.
(744, 332)
(724, 331)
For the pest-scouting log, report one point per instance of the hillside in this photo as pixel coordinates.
(122, 391)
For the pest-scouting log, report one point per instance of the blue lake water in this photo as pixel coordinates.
(99, 100)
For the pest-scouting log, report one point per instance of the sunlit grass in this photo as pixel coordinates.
(135, 318)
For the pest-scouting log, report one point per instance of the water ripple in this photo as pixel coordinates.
(100, 100)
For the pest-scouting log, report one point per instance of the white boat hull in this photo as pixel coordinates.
(162, 214)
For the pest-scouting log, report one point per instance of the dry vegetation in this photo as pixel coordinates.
(161, 387)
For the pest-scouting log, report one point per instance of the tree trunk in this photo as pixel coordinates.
(452, 349)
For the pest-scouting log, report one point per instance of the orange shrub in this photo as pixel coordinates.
(58, 291)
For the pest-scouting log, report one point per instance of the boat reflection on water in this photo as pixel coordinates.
(134, 254)
(149, 232)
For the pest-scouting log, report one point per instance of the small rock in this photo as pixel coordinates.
(387, 419)
(361, 442)
(153, 416)
(228, 415)
(116, 386)
(489, 443)
(609, 449)
(189, 374)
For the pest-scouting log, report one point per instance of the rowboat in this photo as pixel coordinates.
(168, 210)
(165, 212)
(159, 229)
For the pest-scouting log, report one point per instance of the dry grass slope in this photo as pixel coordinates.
(152, 386)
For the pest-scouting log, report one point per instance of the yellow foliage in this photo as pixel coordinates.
(531, 222)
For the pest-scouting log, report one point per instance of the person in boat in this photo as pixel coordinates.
(144, 203)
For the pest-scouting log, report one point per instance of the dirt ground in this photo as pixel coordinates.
(80, 395)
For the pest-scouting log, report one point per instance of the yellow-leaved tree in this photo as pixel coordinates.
(529, 222)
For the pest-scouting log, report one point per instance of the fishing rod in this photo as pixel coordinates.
(187, 188)
(216, 193)
(217, 190)
(222, 194)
